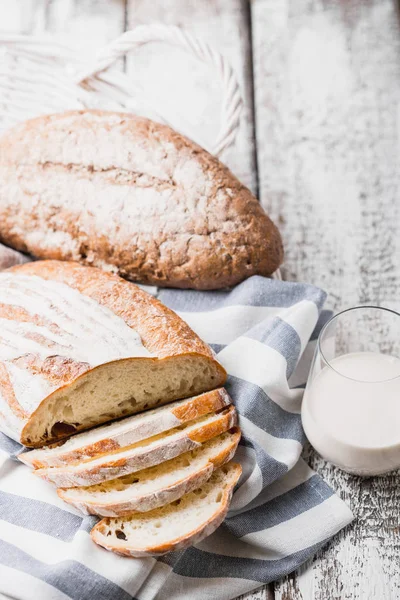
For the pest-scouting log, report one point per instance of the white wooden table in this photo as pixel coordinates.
(319, 144)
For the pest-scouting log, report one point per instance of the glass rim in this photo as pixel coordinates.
(339, 314)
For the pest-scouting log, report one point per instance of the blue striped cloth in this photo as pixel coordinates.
(264, 332)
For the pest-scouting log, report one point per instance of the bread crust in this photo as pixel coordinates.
(211, 401)
(135, 459)
(202, 531)
(178, 216)
(156, 498)
(162, 332)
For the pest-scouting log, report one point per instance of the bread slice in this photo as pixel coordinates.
(117, 191)
(127, 431)
(175, 526)
(159, 485)
(142, 455)
(80, 347)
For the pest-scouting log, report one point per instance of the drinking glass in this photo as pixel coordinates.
(351, 405)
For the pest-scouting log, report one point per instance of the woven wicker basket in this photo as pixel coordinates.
(39, 76)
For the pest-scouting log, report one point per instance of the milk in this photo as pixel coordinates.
(351, 412)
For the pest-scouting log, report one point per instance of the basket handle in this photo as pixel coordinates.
(143, 34)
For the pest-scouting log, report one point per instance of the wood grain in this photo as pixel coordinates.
(327, 80)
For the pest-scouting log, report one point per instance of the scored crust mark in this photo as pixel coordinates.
(111, 174)
(8, 394)
(17, 313)
(178, 217)
(56, 369)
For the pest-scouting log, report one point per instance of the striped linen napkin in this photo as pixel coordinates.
(264, 332)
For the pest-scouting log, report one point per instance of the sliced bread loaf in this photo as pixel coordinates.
(144, 454)
(80, 347)
(159, 485)
(127, 431)
(175, 526)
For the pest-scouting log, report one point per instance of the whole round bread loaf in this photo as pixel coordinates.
(130, 196)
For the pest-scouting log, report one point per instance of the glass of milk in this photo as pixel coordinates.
(351, 405)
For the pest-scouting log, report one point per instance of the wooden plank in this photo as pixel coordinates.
(21, 16)
(327, 81)
(182, 88)
(86, 24)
